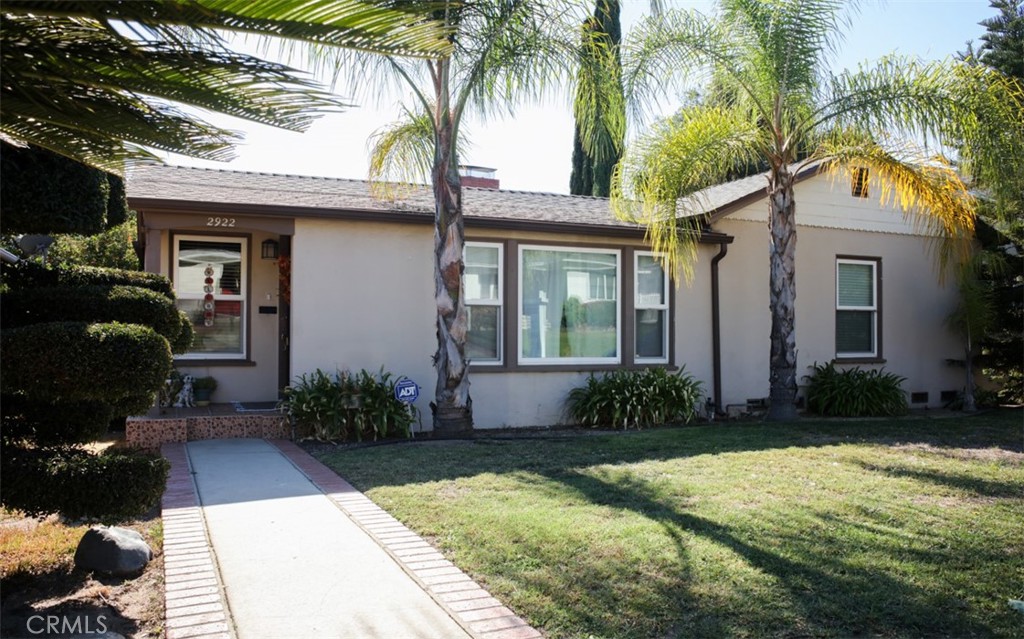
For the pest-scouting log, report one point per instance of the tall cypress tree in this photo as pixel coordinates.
(592, 169)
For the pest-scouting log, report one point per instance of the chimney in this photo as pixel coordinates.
(479, 176)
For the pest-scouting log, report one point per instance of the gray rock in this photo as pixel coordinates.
(117, 551)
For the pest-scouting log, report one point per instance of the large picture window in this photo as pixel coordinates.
(210, 276)
(483, 290)
(651, 309)
(569, 305)
(856, 308)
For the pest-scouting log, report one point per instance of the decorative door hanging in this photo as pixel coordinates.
(208, 296)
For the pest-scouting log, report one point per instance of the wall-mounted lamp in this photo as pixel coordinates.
(269, 249)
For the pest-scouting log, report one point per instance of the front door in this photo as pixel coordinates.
(284, 265)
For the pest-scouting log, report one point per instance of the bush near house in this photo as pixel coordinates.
(625, 399)
(111, 486)
(81, 345)
(855, 392)
(345, 407)
(102, 302)
(27, 274)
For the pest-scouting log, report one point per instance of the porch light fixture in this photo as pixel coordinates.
(269, 249)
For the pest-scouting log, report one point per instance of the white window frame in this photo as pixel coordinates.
(569, 361)
(499, 303)
(873, 308)
(243, 298)
(638, 306)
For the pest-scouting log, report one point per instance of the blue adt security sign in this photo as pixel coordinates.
(406, 391)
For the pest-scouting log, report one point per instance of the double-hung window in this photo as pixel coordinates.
(482, 281)
(210, 279)
(569, 305)
(857, 308)
(651, 309)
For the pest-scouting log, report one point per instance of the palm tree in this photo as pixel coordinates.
(504, 52)
(95, 81)
(976, 313)
(780, 105)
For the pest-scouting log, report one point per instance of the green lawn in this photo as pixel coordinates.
(902, 528)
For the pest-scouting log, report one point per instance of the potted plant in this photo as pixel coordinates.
(202, 389)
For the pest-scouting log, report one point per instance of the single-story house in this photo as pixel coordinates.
(285, 274)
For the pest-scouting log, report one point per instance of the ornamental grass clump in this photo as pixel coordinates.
(342, 406)
(624, 399)
(855, 392)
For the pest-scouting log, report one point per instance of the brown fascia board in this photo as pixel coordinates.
(750, 198)
(397, 217)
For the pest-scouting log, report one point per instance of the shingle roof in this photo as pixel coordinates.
(273, 190)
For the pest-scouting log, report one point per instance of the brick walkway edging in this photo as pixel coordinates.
(480, 614)
(194, 602)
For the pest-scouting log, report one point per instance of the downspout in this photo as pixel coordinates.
(716, 329)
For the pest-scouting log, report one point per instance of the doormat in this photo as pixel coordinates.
(256, 407)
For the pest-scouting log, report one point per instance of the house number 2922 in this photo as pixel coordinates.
(221, 221)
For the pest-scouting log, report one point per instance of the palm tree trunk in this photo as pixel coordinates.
(970, 404)
(782, 295)
(452, 406)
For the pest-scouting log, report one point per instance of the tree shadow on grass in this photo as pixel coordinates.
(814, 588)
(977, 486)
(454, 459)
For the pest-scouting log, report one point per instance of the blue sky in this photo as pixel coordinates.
(532, 151)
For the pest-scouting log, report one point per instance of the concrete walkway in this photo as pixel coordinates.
(262, 541)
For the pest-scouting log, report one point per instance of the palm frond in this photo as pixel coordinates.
(926, 189)
(381, 26)
(401, 155)
(599, 107)
(658, 183)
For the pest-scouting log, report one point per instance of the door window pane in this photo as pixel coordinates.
(209, 280)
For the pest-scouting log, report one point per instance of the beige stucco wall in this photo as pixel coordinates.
(256, 381)
(362, 297)
(915, 341)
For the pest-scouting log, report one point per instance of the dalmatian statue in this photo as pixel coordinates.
(184, 397)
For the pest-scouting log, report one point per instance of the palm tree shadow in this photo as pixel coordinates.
(828, 593)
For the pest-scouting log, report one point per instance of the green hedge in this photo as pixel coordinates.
(53, 423)
(120, 364)
(48, 193)
(27, 274)
(97, 303)
(110, 487)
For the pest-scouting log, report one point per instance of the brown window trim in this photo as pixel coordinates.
(510, 308)
(878, 357)
(172, 268)
(214, 362)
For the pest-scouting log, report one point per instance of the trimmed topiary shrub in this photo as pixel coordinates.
(73, 361)
(26, 274)
(855, 392)
(112, 486)
(96, 303)
(47, 193)
(186, 333)
(53, 423)
(648, 397)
